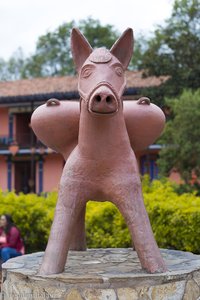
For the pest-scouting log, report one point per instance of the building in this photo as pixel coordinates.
(25, 163)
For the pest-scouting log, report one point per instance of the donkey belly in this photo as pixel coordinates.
(99, 179)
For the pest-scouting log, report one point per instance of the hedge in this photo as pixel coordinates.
(32, 214)
(175, 219)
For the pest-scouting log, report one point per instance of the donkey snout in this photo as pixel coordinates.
(103, 101)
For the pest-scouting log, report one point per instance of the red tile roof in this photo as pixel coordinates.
(135, 79)
(68, 84)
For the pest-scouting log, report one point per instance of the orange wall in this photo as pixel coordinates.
(52, 170)
(4, 121)
(3, 173)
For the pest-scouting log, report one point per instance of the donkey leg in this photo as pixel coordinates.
(70, 203)
(78, 239)
(131, 205)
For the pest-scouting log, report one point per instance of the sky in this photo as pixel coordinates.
(23, 21)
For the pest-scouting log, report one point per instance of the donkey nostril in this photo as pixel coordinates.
(108, 99)
(98, 98)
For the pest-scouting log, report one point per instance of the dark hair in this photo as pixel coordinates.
(10, 222)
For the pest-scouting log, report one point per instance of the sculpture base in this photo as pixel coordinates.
(99, 274)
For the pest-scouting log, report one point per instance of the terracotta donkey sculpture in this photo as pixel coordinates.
(98, 141)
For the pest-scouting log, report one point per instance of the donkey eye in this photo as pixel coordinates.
(86, 72)
(119, 71)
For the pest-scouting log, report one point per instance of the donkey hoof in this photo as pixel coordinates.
(144, 100)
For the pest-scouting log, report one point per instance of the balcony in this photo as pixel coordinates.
(24, 141)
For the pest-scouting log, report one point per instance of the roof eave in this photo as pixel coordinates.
(72, 95)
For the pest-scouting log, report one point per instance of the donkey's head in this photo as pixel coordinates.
(101, 72)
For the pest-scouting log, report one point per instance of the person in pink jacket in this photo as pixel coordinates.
(11, 243)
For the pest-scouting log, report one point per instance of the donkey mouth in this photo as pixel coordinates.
(103, 108)
(102, 113)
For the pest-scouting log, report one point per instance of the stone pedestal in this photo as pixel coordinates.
(103, 274)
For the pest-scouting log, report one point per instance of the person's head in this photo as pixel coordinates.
(6, 221)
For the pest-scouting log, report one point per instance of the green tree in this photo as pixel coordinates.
(13, 68)
(174, 48)
(53, 57)
(140, 47)
(181, 147)
(53, 53)
(3, 69)
(97, 34)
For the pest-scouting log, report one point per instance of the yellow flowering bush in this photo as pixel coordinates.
(175, 219)
(32, 214)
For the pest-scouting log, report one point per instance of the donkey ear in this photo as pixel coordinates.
(123, 47)
(81, 49)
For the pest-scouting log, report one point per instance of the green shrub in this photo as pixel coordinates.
(175, 219)
(32, 214)
(105, 226)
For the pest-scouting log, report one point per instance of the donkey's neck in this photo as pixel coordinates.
(102, 136)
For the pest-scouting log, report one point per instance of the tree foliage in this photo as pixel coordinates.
(174, 48)
(53, 50)
(140, 47)
(175, 219)
(52, 56)
(97, 34)
(181, 148)
(13, 68)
